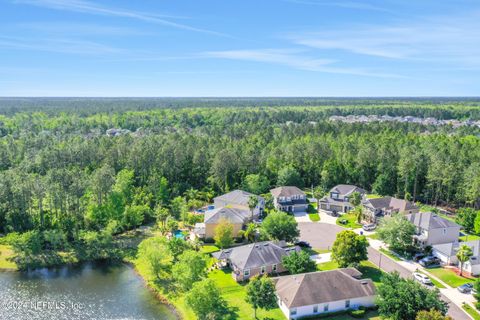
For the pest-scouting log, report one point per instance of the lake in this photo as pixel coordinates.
(87, 291)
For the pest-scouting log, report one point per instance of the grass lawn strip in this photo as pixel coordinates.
(449, 277)
(314, 217)
(6, 252)
(390, 254)
(351, 221)
(471, 311)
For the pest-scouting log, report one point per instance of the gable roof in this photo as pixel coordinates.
(347, 189)
(390, 203)
(254, 255)
(286, 191)
(429, 221)
(232, 215)
(451, 249)
(239, 197)
(322, 287)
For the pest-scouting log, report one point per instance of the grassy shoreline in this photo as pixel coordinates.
(6, 253)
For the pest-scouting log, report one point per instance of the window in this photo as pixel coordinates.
(334, 195)
(325, 307)
(262, 270)
(274, 268)
(315, 309)
(293, 311)
(347, 304)
(246, 273)
(444, 231)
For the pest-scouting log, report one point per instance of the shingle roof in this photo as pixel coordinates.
(286, 191)
(449, 249)
(254, 255)
(239, 197)
(322, 287)
(232, 215)
(347, 189)
(390, 203)
(429, 220)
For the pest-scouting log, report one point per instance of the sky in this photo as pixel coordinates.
(234, 48)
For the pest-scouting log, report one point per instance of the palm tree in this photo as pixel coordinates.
(252, 203)
(463, 255)
(318, 193)
(250, 232)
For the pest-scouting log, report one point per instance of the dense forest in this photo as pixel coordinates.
(60, 170)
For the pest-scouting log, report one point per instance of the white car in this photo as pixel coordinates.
(420, 277)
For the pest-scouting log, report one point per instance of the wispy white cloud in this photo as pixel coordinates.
(451, 39)
(59, 46)
(93, 8)
(293, 59)
(357, 5)
(77, 29)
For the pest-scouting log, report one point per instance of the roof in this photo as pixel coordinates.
(449, 249)
(390, 203)
(239, 197)
(286, 191)
(347, 189)
(232, 215)
(429, 221)
(322, 287)
(254, 255)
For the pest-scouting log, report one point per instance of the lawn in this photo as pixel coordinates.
(235, 293)
(351, 221)
(471, 311)
(371, 315)
(314, 217)
(449, 277)
(5, 253)
(390, 254)
(312, 251)
(208, 249)
(373, 196)
(469, 237)
(435, 282)
(368, 270)
(373, 236)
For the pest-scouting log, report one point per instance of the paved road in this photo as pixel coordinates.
(322, 236)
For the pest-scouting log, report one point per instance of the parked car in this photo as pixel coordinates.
(333, 213)
(420, 277)
(466, 288)
(419, 256)
(369, 227)
(429, 262)
(303, 244)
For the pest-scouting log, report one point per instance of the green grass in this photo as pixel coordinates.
(373, 196)
(435, 282)
(5, 253)
(368, 270)
(351, 221)
(449, 277)
(314, 217)
(371, 315)
(235, 293)
(425, 208)
(373, 236)
(469, 237)
(208, 249)
(312, 251)
(390, 254)
(325, 266)
(471, 311)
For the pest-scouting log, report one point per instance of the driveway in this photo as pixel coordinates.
(301, 217)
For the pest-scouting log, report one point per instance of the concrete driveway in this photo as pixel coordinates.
(319, 235)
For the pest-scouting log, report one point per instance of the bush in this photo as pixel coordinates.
(360, 313)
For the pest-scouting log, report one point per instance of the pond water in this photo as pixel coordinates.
(87, 291)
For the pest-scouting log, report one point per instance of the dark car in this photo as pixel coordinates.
(419, 257)
(303, 244)
(466, 288)
(429, 262)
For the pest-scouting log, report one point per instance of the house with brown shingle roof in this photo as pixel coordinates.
(289, 199)
(338, 199)
(321, 292)
(376, 208)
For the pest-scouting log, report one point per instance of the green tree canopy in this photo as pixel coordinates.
(289, 176)
(206, 301)
(261, 294)
(298, 262)
(397, 232)
(280, 226)
(190, 268)
(223, 234)
(349, 249)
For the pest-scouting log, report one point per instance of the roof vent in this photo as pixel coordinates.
(364, 282)
(265, 244)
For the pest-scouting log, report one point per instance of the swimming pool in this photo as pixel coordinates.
(179, 234)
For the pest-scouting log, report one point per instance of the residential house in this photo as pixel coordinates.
(254, 259)
(447, 253)
(316, 293)
(432, 229)
(289, 199)
(338, 199)
(375, 208)
(237, 217)
(239, 199)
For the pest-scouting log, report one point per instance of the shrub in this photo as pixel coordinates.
(360, 313)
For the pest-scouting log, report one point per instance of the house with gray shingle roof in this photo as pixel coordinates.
(239, 199)
(254, 259)
(289, 199)
(447, 253)
(376, 208)
(338, 199)
(432, 229)
(316, 293)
